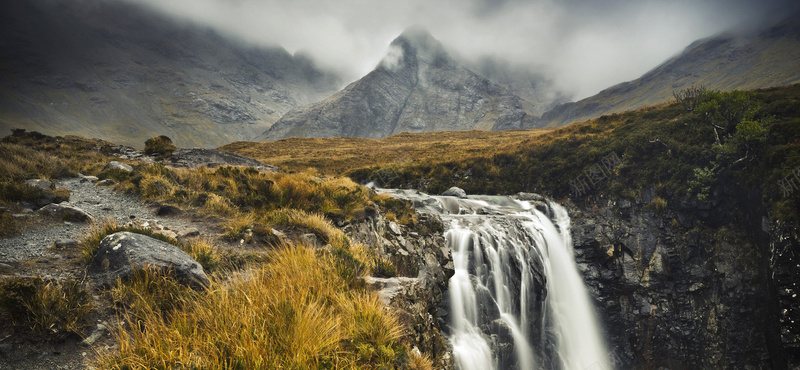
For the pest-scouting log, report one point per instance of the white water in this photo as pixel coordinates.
(516, 285)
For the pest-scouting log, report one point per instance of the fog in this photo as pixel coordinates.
(583, 46)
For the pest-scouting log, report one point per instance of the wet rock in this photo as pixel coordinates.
(65, 212)
(121, 254)
(118, 166)
(455, 192)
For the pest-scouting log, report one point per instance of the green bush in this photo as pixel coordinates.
(161, 146)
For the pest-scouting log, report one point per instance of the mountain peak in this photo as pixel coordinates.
(413, 47)
(418, 37)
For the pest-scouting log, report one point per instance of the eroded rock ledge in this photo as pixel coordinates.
(424, 266)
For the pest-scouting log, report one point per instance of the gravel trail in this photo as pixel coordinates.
(101, 202)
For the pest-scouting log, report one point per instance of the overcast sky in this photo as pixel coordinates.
(584, 46)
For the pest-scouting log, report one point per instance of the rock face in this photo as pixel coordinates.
(688, 288)
(417, 87)
(123, 253)
(424, 266)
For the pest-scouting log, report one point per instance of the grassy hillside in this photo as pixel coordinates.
(663, 147)
(336, 156)
(287, 303)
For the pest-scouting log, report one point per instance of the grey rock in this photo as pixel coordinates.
(395, 228)
(311, 239)
(188, 233)
(66, 212)
(119, 166)
(88, 178)
(121, 254)
(196, 157)
(65, 243)
(455, 192)
(98, 332)
(42, 184)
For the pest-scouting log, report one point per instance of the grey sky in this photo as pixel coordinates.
(583, 46)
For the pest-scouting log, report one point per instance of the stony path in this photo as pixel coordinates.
(30, 253)
(101, 202)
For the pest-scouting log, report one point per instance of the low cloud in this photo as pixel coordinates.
(583, 46)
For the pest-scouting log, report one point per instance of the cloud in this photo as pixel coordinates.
(584, 46)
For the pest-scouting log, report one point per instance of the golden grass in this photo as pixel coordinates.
(295, 312)
(337, 156)
(53, 308)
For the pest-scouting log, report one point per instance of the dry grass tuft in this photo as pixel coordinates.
(52, 308)
(293, 312)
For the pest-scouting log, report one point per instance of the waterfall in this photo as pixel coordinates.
(516, 298)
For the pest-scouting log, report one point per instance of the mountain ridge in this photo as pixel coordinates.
(121, 72)
(417, 87)
(728, 61)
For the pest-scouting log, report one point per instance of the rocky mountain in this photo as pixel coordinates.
(117, 71)
(417, 87)
(533, 87)
(745, 60)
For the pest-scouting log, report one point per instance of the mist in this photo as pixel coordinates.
(582, 46)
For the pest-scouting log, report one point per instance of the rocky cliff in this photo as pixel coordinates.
(424, 267)
(417, 87)
(699, 285)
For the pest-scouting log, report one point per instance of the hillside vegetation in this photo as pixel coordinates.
(664, 147)
(667, 148)
(287, 303)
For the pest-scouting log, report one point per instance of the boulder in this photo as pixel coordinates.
(455, 192)
(66, 212)
(121, 254)
(118, 165)
(42, 184)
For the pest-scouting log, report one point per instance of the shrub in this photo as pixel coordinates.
(658, 204)
(160, 146)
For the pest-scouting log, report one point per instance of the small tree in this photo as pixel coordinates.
(723, 111)
(161, 146)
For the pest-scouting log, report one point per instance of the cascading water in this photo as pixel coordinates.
(516, 298)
